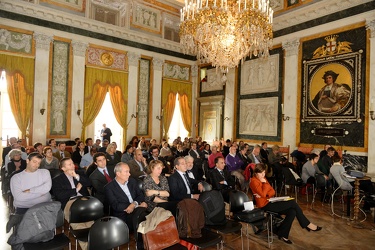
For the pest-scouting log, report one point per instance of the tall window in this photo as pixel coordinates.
(177, 126)
(107, 116)
(8, 125)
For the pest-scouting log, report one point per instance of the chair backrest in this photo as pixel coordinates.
(107, 233)
(214, 207)
(237, 200)
(84, 209)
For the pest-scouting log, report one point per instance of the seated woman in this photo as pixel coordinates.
(156, 188)
(78, 153)
(310, 170)
(128, 154)
(262, 191)
(49, 161)
(112, 157)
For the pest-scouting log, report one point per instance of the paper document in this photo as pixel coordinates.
(281, 198)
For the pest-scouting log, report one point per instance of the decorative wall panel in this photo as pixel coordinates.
(340, 104)
(77, 5)
(176, 71)
(143, 105)
(13, 41)
(105, 58)
(59, 113)
(146, 18)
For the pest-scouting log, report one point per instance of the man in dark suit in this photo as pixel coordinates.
(100, 177)
(88, 145)
(180, 185)
(62, 153)
(126, 199)
(154, 150)
(198, 159)
(69, 184)
(255, 155)
(192, 170)
(106, 133)
(138, 164)
(264, 152)
(221, 179)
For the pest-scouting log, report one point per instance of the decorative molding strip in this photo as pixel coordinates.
(133, 58)
(79, 48)
(313, 11)
(42, 41)
(291, 47)
(157, 63)
(370, 25)
(64, 18)
(194, 70)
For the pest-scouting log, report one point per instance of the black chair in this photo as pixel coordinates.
(208, 239)
(107, 233)
(59, 241)
(236, 203)
(84, 209)
(213, 211)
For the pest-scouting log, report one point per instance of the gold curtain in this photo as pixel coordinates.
(119, 107)
(186, 112)
(168, 112)
(97, 83)
(20, 79)
(183, 89)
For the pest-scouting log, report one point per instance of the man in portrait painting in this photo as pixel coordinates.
(333, 96)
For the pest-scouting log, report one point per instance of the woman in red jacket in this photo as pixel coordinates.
(262, 191)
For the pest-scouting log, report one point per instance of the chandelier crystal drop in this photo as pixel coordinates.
(223, 32)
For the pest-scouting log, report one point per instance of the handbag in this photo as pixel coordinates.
(164, 235)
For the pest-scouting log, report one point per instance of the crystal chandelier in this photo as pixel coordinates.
(223, 32)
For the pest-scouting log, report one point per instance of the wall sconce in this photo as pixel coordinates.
(43, 109)
(160, 117)
(79, 109)
(226, 118)
(283, 116)
(372, 108)
(136, 113)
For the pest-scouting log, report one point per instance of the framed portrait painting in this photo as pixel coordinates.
(331, 87)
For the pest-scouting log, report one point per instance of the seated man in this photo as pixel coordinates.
(138, 165)
(154, 150)
(198, 159)
(62, 153)
(325, 162)
(221, 180)
(31, 186)
(102, 175)
(126, 198)
(87, 159)
(191, 169)
(69, 184)
(235, 164)
(180, 185)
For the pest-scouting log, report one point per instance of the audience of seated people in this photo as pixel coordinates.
(114, 179)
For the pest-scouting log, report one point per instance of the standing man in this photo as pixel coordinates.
(180, 185)
(69, 184)
(106, 133)
(31, 186)
(62, 153)
(126, 199)
(264, 152)
(100, 177)
(138, 164)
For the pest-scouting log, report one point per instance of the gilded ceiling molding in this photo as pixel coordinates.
(313, 11)
(42, 41)
(79, 48)
(291, 47)
(158, 64)
(133, 58)
(370, 25)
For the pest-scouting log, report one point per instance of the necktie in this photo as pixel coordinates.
(62, 154)
(107, 177)
(222, 174)
(187, 181)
